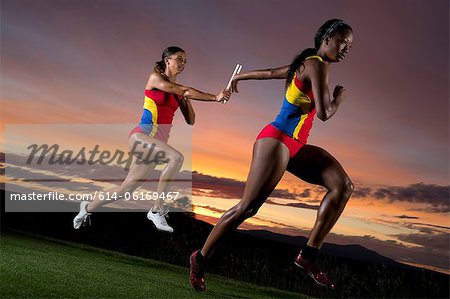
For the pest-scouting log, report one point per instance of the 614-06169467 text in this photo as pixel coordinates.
(138, 195)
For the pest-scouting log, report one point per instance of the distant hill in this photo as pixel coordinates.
(354, 251)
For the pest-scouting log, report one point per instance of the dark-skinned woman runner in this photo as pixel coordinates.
(282, 145)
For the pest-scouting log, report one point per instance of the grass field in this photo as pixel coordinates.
(33, 266)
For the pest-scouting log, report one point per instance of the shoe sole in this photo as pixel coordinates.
(312, 276)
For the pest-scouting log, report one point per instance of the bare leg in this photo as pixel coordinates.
(139, 170)
(270, 159)
(174, 162)
(134, 178)
(314, 165)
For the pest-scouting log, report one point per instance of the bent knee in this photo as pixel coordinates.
(242, 212)
(176, 158)
(342, 191)
(348, 187)
(342, 186)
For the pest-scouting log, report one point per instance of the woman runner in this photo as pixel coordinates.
(162, 98)
(282, 145)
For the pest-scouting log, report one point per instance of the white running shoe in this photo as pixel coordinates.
(159, 220)
(83, 216)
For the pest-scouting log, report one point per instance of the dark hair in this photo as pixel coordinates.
(328, 29)
(160, 66)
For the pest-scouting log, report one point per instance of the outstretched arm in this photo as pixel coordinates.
(276, 73)
(318, 75)
(157, 81)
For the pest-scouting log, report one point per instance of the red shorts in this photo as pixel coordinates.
(272, 132)
(161, 135)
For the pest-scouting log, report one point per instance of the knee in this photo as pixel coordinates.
(342, 186)
(342, 190)
(348, 187)
(243, 212)
(176, 159)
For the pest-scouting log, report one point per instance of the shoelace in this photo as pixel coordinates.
(164, 213)
(87, 220)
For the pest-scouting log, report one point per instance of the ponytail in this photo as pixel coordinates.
(298, 61)
(160, 66)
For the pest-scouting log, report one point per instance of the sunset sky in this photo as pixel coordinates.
(87, 62)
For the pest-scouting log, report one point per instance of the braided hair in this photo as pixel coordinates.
(328, 29)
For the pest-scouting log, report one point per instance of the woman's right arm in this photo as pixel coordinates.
(318, 75)
(157, 81)
(276, 73)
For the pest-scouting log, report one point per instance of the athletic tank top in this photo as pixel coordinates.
(298, 109)
(159, 108)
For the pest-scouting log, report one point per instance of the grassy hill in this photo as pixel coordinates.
(242, 256)
(37, 267)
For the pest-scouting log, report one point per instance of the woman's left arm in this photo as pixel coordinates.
(187, 110)
(276, 73)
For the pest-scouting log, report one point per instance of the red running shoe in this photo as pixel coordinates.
(311, 269)
(197, 274)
